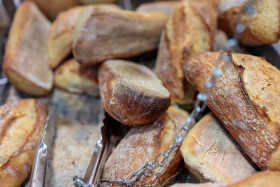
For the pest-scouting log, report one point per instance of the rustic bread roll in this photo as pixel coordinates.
(210, 153)
(22, 125)
(73, 77)
(51, 8)
(25, 60)
(102, 34)
(245, 99)
(262, 26)
(142, 144)
(188, 31)
(61, 35)
(97, 1)
(166, 7)
(131, 93)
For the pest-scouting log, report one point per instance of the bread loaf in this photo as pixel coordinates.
(131, 93)
(102, 34)
(142, 144)
(21, 129)
(245, 98)
(166, 7)
(261, 22)
(61, 35)
(25, 60)
(189, 30)
(73, 77)
(212, 155)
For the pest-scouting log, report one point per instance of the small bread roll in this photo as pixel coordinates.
(189, 30)
(51, 8)
(262, 23)
(246, 99)
(73, 77)
(21, 129)
(142, 144)
(166, 7)
(25, 60)
(131, 93)
(62, 32)
(102, 34)
(212, 155)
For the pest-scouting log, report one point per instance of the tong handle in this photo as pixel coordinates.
(37, 178)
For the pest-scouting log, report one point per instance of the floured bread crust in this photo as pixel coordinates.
(131, 93)
(189, 30)
(25, 60)
(73, 77)
(166, 7)
(21, 128)
(262, 26)
(102, 34)
(212, 155)
(245, 98)
(142, 144)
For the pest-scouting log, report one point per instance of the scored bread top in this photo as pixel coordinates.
(243, 107)
(21, 127)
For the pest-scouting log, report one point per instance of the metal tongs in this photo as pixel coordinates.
(38, 173)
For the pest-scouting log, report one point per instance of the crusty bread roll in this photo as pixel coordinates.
(131, 93)
(97, 1)
(25, 60)
(188, 31)
(212, 155)
(51, 8)
(22, 125)
(166, 7)
(262, 26)
(61, 35)
(73, 77)
(260, 179)
(245, 99)
(102, 34)
(142, 144)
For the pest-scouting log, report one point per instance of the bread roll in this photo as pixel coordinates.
(262, 25)
(102, 34)
(61, 36)
(97, 1)
(51, 8)
(245, 99)
(21, 129)
(25, 60)
(210, 153)
(131, 93)
(188, 31)
(166, 7)
(73, 77)
(142, 144)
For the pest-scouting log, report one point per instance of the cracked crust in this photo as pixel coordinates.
(245, 99)
(21, 128)
(142, 144)
(131, 93)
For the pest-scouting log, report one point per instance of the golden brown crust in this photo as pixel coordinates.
(102, 34)
(243, 100)
(131, 93)
(166, 7)
(143, 144)
(21, 130)
(73, 77)
(188, 31)
(209, 152)
(25, 60)
(261, 27)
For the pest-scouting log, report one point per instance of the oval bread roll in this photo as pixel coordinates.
(166, 7)
(73, 77)
(246, 99)
(131, 93)
(21, 128)
(142, 144)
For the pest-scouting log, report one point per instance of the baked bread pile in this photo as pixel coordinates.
(93, 50)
